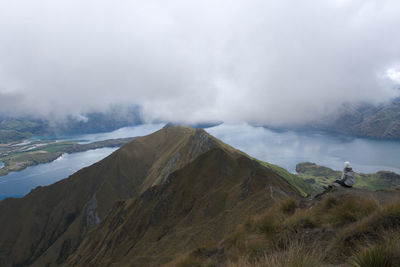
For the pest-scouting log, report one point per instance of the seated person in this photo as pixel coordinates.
(347, 179)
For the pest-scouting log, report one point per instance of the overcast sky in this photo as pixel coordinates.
(260, 61)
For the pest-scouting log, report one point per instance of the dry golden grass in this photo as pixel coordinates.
(360, 232)
(385, 254)
(295, 254)
(288, 206)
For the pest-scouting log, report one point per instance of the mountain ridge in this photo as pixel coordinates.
(57, 218)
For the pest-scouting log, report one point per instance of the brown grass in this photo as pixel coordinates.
(361, 233)
(288, 206)
(385, 254)
(294, 255)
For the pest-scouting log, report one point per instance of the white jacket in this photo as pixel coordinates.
(348, 176)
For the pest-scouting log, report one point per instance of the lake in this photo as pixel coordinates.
(20, 183)
(17, 184)
(288, 148)
(285, 149)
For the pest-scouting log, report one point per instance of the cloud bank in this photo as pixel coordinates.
(259, 61)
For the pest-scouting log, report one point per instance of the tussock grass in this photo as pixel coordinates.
(385, 254)
(302, 219)
(345, 229)
(268, 226)
(350, 209)
(372, 257)
(288, 206)
(371, 228)
(190, 260)
(295, 254)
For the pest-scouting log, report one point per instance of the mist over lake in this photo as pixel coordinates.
(288, 148)
(285, 149)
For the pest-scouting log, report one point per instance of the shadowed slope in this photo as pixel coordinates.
(200, 203)
(47, 225)
(50, 222)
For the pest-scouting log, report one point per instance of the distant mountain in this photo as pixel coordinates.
(14, 129)
(153, 200)
(365, 121)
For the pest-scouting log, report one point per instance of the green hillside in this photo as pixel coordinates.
(319, 176)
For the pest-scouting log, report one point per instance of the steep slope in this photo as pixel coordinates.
(341, 227)
(57, 217)
(47, 225)
(198, 204)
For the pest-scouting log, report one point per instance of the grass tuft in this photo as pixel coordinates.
(349, 209)
(268, 226)
(374, 256)
(288, 206)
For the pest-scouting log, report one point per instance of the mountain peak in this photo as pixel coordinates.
(179, 175)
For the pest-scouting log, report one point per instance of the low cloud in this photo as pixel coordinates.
(269, 62)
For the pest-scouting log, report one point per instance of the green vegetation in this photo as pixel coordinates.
(57, 147)
(319, 176)
(16, 158)
(288, 206)
(300, 184)
(385, 255)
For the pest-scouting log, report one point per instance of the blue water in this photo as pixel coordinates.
(17, 184)
(20, 183)
(285, 149)
(124, 132)
(288, 148)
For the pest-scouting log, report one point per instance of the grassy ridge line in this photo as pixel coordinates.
(297, 182)
(303, 187)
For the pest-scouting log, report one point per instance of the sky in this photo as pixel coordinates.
(268, 62)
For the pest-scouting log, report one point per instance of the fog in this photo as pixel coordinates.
(258, 61)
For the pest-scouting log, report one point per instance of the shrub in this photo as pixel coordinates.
(372, 257)
(295, 255)
(370, 229)
(301, 220)
(268, 226)
(329, 202)
(288, 206)
(349, 209)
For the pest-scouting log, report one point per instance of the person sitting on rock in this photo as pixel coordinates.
(347, 179)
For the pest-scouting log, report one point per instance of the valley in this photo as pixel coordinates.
(181, 197)
(17, 157)
(199, 134)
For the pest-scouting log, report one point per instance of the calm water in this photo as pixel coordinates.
(282, 148)
(286, 149)
(20, 183)
(139, 130)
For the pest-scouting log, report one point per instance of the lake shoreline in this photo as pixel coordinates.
(42, 157)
